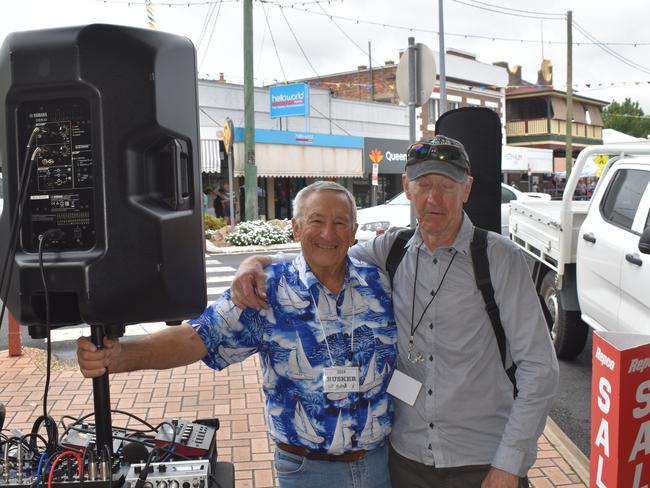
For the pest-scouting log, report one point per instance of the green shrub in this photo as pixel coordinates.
(211, 224)
(260, 233)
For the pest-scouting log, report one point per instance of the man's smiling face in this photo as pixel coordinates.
(325, 230)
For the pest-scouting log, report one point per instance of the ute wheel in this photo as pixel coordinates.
(568, 331)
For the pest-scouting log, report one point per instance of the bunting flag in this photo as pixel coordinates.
(150, 17)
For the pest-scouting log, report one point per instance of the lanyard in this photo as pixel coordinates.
(434, 293)
(322, 327)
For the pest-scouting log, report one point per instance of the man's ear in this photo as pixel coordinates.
(468, 188)
(405, 186)
(296, 229)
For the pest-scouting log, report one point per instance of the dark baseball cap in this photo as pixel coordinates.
(441, 155)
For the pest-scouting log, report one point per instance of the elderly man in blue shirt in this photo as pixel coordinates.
(326, 344)
(457, 422)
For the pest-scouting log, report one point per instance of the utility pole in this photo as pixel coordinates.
(250, 170)
(569, 93)
(443, 80)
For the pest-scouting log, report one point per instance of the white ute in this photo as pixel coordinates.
(592, 258)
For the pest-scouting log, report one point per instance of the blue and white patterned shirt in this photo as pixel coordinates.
(295, 346)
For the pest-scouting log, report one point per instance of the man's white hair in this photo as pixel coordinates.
(299, 200)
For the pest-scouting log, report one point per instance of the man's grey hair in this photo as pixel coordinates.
(299, 200)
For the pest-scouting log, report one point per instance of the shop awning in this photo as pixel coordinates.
(297, 161)
(210, 156)
(298, 154)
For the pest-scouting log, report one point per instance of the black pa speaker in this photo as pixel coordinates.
(113, 205)
(479, 130)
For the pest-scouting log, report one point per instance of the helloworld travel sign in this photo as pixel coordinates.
(289, 100)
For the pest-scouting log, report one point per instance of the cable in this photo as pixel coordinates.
(610, 51)
(561, 14)
(346, 35)
(207, 48)
(298, 42)
(16, 219)
(506, 13)
(75, 455)
(277, 54)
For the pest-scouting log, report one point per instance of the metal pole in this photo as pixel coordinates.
(569, 94)
(250, 170)
(443, 78)
(412, 57)
(102, 398)
(232, 190)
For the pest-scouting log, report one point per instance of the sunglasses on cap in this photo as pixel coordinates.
(422, 151)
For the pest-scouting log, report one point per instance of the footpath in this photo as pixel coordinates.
(234, 396)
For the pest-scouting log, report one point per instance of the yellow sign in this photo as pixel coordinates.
(228, 134)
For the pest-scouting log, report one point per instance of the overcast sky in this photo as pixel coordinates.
(311, 43)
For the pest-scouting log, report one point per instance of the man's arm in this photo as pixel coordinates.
(532, 351)
(168, 348)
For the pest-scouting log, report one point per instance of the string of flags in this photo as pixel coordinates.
(150, 17)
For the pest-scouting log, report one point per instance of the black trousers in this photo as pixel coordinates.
(406, 473)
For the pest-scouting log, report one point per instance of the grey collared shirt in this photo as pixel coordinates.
(465, 413)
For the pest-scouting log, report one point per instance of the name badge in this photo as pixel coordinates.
(341, 380)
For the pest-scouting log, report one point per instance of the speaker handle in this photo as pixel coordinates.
(180, 160)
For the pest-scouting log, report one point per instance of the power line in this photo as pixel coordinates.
(610, 51)
(206, 23)
(297, 41)
(277, 54)
(508, 13)
(207, 48)
(563, 15)
(294, 6)
(346, 34)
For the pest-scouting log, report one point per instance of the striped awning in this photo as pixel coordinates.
(210, 156)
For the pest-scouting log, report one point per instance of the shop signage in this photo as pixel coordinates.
(388, 154)
(620, 411)
(289, 100)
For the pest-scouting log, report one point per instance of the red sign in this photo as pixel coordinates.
(620, 411)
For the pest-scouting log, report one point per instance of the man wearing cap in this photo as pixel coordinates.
(457, 423)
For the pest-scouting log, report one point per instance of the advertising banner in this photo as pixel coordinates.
(289, 100)
(388, 154)
(620, 411)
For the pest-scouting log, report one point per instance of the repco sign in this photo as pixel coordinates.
(389, 154)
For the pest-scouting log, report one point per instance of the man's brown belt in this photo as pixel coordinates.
(347, 457)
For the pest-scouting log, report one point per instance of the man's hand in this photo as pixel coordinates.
(498, 478)
(248, 287)
(95, 362)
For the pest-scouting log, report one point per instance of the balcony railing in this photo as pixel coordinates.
(534, 127)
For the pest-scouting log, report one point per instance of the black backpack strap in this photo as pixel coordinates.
(481, 266)
(397, 251)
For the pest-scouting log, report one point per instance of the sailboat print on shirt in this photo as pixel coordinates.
(341, 441)
(372, 430)
(353, 303)
(287, 297)
(303, 426)
(235, 355)
(299, 366)
(372, 379)
(326, 309)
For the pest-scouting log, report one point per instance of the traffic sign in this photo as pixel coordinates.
(425, 75)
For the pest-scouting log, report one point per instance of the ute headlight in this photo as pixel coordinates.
(373, 226)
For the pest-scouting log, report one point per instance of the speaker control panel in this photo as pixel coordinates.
(61, 190)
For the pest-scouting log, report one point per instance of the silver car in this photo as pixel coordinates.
(396, 213)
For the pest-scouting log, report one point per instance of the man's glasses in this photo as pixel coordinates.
(439, 152)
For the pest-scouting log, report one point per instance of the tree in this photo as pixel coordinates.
(627, 117)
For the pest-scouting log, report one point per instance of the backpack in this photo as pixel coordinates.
(481, 265)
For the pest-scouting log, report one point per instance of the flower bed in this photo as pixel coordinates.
(260, 233)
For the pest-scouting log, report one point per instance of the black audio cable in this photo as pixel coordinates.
(16, 219)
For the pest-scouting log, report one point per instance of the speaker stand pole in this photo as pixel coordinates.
(101, 391)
